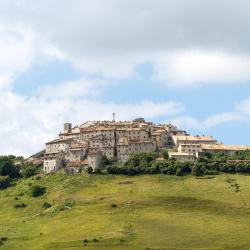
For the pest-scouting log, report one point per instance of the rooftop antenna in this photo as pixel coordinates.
(113, 117)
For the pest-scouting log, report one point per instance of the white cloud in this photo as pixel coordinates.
(20, 48)
(241, 112)
(28, 122)
(72, 89)
(192, 67)
(189, 42)
(243, 107)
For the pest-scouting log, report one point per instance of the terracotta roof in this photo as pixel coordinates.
(59, 140)
(193, 138)
(224, 147)
(180, 154)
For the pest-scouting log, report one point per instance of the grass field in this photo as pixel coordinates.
(120, 212)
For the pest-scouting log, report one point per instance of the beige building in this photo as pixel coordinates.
(95, 160)
(58, 145)
(126, 147)
(53, 161)
(228, 149)
(189, 148)
(182, 156)
(110, 138)
(188, 139)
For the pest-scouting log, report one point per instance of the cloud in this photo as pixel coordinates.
(196, 67)
(82, 87)
(20, 48)
(243, 107)
(241, 112)
(189, 42)
(28, 122)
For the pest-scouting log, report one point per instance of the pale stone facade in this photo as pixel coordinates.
(187, 139)
(53, 162)
(189, 148)
(183, 156)
(95, 160)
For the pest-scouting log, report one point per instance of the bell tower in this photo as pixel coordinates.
(67, 127)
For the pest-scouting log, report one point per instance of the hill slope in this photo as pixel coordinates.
(119, 212)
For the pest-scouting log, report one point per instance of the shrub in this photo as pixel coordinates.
(46, 205)
(37, 190)
(28, 171)
(4, 182)
(113, 205)
(164, 154)
(90, 170)
(212, 172)
(66, 205)
(179, 172)
(20, 205)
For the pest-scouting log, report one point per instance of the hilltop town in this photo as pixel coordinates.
(82, 146)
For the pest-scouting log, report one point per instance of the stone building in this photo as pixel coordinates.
(117, 139)
(183, 156)
(53, 161)
(188, 139)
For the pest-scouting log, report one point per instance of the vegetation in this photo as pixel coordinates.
(4, 182)
(209, 164)
(28, 171)
(145, 203)
(111, 212)
(7, 167)
(37, 190)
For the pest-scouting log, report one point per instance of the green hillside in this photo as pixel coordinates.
(120, 212)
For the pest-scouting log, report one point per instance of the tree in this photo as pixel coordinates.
(7, 167)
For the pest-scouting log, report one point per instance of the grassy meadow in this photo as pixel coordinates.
(120, 212)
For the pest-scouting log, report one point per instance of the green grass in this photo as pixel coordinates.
(152, 212)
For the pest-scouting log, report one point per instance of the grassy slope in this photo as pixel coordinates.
(154, 212)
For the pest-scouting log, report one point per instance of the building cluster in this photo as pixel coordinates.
(85, 145)
(190, 148)
(79, 147)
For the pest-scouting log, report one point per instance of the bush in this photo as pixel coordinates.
(46, 205)
(68, 204)
(20, 205)
(37, 190)
(4, 182)
(90, 170)
(28, 171)
(164, 154)
(2, 239)
(113, 205)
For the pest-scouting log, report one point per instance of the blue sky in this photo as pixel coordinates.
(168, 61)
